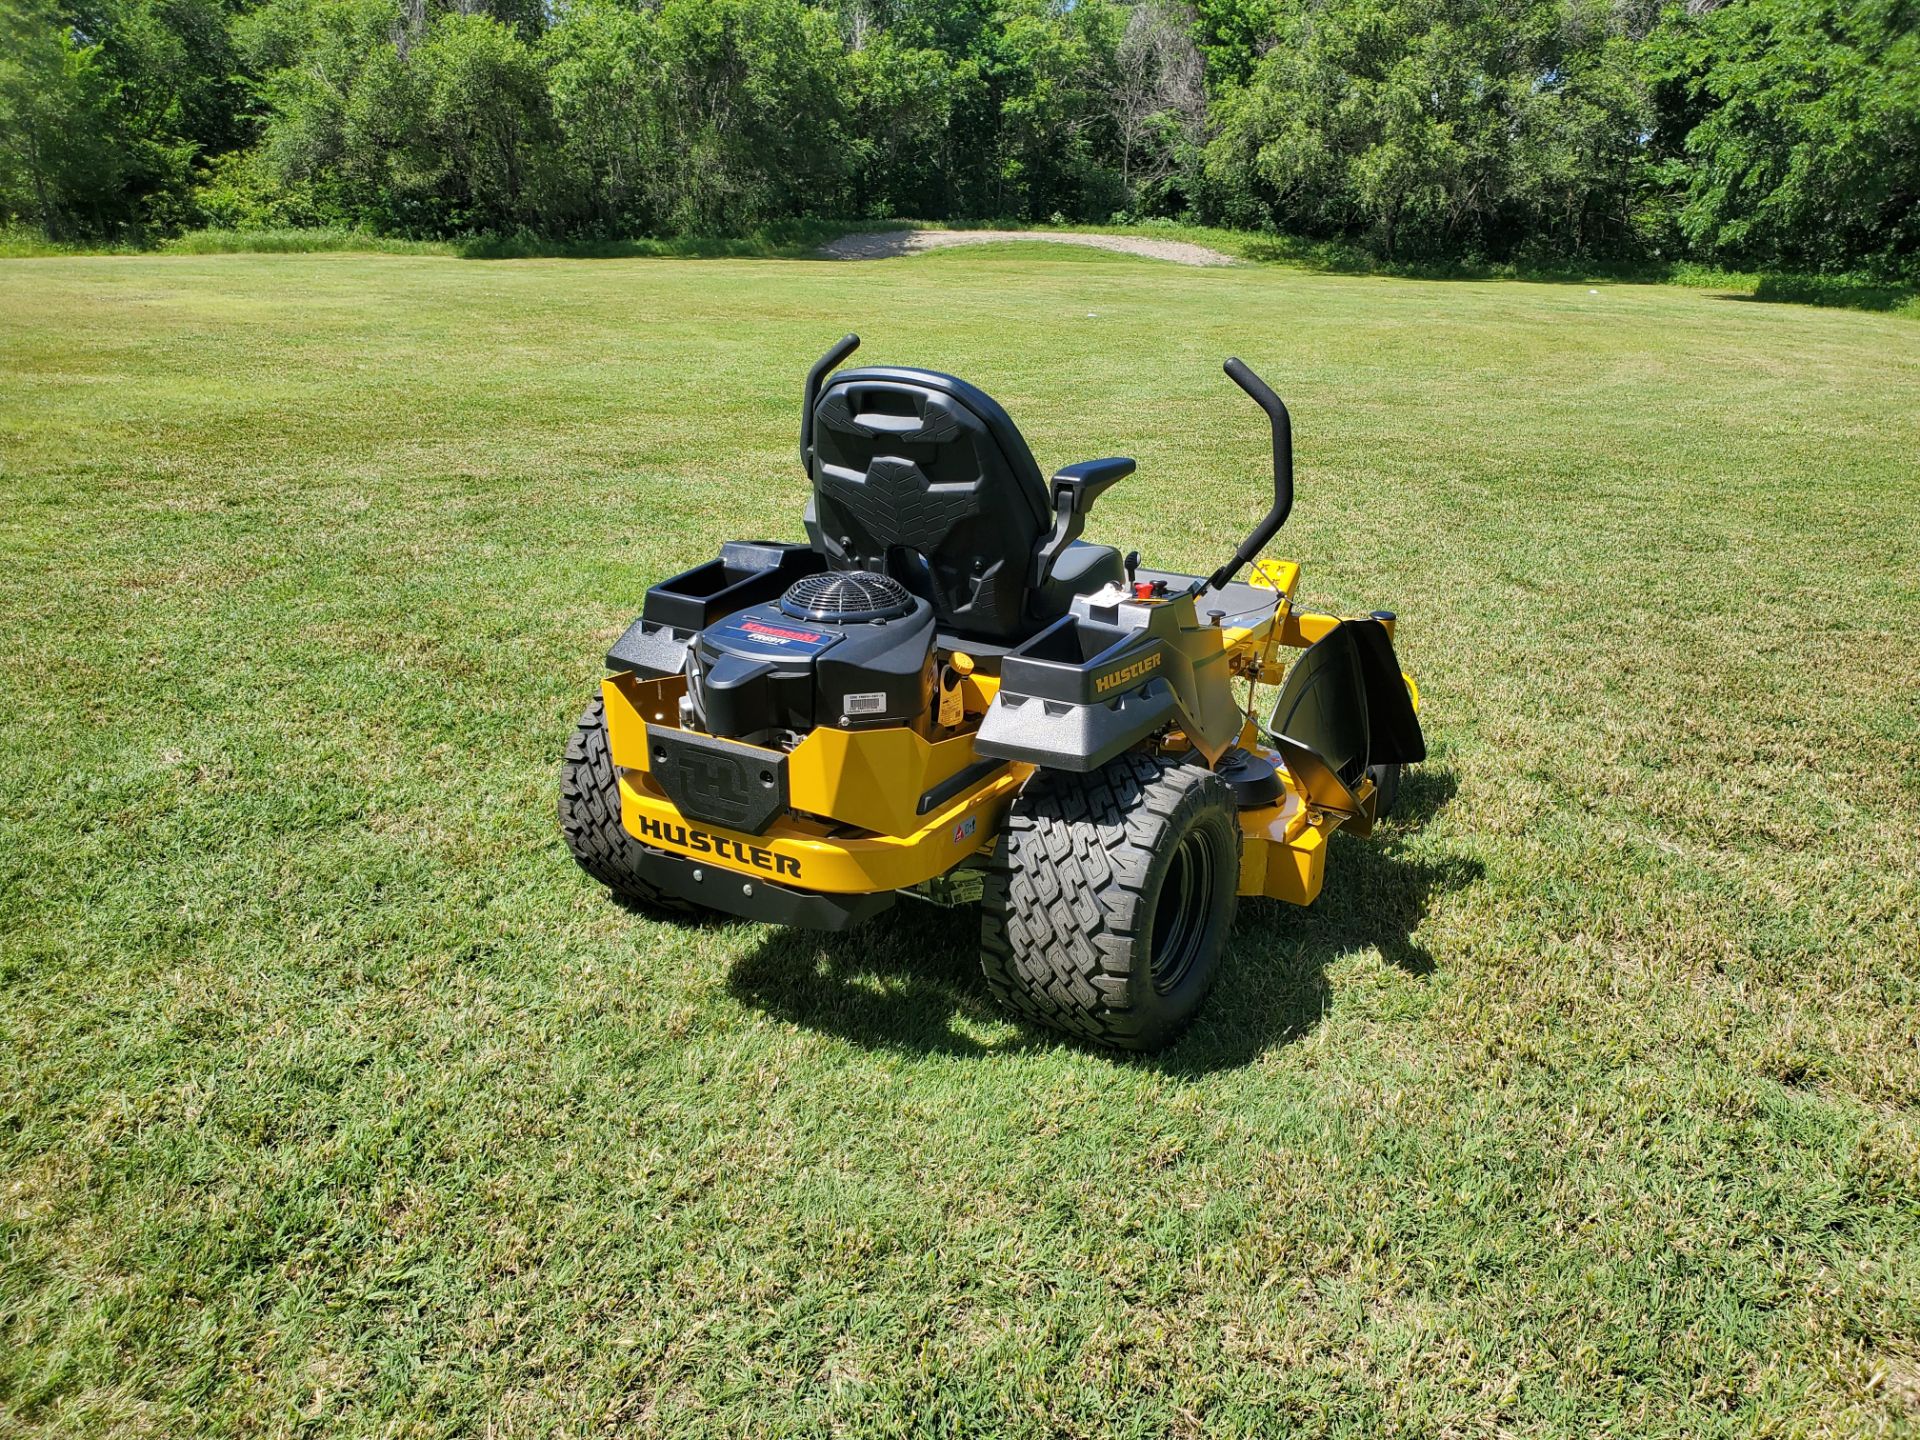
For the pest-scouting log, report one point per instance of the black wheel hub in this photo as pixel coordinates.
(1181, 913)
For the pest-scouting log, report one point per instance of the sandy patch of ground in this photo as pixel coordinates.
(885, 244)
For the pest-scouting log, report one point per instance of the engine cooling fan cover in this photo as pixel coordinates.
(846, 595)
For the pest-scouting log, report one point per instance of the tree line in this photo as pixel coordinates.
(1767, 133)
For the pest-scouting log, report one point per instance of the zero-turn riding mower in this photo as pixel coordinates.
(945, 691)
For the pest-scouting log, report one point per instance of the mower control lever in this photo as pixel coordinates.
(1270, 524)
(842, 348)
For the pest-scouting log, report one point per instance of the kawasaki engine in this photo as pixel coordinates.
(843, 648)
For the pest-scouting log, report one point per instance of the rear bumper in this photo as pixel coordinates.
(862, 812)
(804, 855)
(735, 894)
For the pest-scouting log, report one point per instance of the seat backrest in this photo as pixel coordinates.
(921, 476)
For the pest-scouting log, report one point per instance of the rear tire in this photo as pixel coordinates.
(1386, 780)
(590, 817)
(1109, 899)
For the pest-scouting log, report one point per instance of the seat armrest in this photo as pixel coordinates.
(1088, 479)
(1074, 489)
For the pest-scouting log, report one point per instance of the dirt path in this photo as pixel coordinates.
(885, 244)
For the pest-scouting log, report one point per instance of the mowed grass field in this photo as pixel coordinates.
(334, 1101)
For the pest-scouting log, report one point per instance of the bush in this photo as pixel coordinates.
(1783, 133)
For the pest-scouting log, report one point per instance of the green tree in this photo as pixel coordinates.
(481, 140)
(1770, 132)
(606, 81)
(399, 121)
(1234, 34)
(1049, 71)
(109, 104)
(1158, 103)
(1435, 127)
(901, 113)
(59, 168)
(1806, 146)
(306, 58)
(753, 99)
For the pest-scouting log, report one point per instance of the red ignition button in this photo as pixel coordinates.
(1143, 589)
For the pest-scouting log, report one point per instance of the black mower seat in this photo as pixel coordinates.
(1082, 568)
(923, 477)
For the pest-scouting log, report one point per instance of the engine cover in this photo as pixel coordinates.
(848, 649)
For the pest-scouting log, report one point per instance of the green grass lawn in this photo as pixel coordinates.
(334, 1100)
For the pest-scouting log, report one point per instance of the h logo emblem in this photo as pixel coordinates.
(716, 780)
(722, 782)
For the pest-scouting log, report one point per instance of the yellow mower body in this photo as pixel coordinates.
(856, 826)
(945, 691)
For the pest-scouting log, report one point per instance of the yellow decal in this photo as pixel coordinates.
(1114, 679)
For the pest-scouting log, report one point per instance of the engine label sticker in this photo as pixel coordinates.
(783, 637)
(964, 830)
(867, 702)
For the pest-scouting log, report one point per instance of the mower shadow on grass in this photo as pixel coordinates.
(898, 982)
(911, 979)
(1275, 971)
